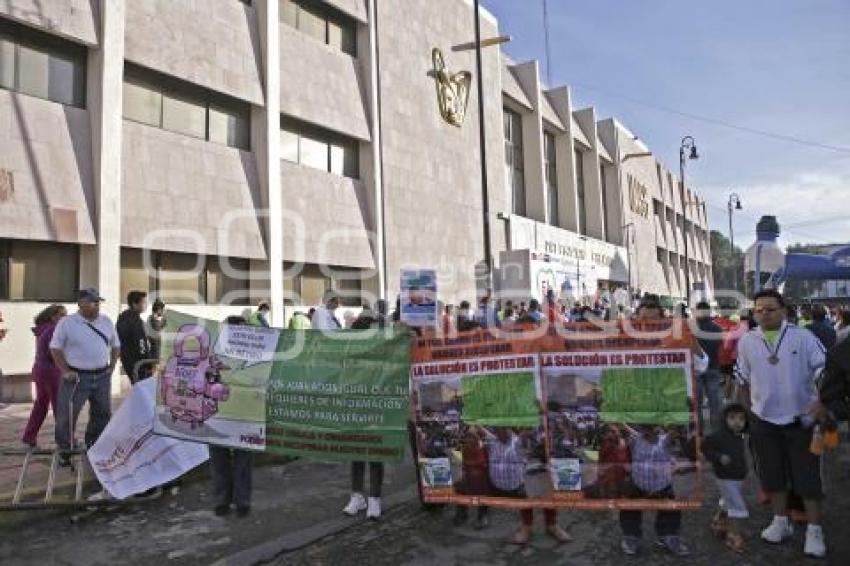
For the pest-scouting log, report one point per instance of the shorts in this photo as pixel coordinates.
(732, 498)
(783, 458)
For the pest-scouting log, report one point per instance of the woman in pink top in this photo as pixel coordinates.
(45, 374)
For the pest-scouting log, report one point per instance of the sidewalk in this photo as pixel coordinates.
(13, 419)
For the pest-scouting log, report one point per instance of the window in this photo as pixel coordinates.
(134, 275)
(319, 148)
(184, 278)
(514, 168)
(183, 115)
(164, 102)
(550, 169)
(42, 65)
(142, 102)
(604, 189)
(348, 283)
(582, 210)
(38, 271)
(314, 283)
(322, 23)
(227, 281)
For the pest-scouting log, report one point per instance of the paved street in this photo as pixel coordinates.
(297, 521)
(411, 536)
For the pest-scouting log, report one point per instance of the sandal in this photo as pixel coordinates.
(735, 542)
(522, 537)
(720, 524)
(559, 534)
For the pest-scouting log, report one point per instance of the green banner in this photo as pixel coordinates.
(645, 396)
(500, 399)
(341, 395)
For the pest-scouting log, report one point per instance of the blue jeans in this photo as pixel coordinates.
(710, 384)
(92, 387)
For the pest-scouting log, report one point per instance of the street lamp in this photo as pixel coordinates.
(627, 233)
(733, 204)
(477, 44)
(688, 150)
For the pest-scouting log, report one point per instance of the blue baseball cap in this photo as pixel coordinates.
(89, 295)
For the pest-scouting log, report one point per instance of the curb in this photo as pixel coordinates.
(270, 550)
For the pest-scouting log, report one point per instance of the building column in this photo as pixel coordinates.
(561, 103)
(100, 264)
(376, 163)
(586, 119)
(267, 152)
(528, 76)
(609, 136)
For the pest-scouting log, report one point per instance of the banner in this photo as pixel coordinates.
(588, 420)
(419, 297)
(214, 381)
(129, 458)
(341, 395)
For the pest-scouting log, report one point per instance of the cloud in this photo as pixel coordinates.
(811, 207)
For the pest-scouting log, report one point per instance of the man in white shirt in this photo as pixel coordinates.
(780, 363)
(324, 317)
(85, 347)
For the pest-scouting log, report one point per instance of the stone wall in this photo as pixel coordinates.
(73, 19)
(213, 43)
(179, 183)
(45, 150)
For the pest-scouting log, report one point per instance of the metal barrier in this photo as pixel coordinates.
(17, 500)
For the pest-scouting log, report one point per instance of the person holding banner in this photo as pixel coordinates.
(358, 502)
(231, 469)
(507, 466)
(780, 364)
(652, 463)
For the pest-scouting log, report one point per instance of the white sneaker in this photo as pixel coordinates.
(815, 546)
(374, 508)
(356, 504)
(778, 530)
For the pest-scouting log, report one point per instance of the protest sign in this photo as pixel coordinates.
(572, 414)
(341, 395)
(129, 459)
(214, 381)
(419, 297)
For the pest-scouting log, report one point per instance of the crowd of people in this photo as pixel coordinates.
(774, 380)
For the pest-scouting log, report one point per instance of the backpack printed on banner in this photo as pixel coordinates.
(191, 382)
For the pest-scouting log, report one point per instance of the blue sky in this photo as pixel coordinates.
(781, 66)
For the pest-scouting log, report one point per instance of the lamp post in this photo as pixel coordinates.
(688, 150)
(485, 193)
(733, 205)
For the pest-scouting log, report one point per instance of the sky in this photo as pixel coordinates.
(668, 69)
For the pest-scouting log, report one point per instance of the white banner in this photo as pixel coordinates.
(129, 458)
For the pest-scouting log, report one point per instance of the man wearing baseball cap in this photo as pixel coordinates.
(85, 347)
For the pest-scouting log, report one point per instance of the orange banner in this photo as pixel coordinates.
(590, 416)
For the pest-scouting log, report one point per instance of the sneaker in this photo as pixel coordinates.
(373, 508)
(243, 511)
(674, 544)
(101, 495)
(356, 504)
(630, 545)
(778, 530)
(815, 546)
(221, 510)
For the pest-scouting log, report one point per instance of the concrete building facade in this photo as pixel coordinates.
(220, 152)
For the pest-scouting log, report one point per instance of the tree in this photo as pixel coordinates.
(726, 265)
